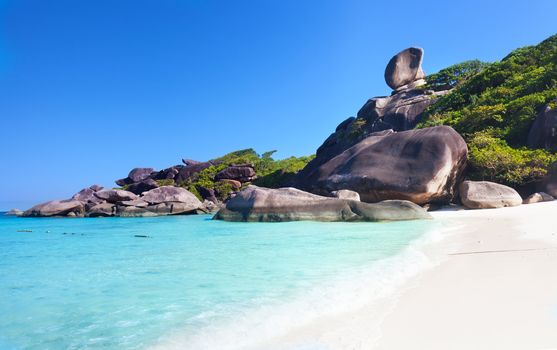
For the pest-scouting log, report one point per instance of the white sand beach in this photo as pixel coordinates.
(494, 286)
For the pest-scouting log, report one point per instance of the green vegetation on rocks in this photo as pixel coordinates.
(270, 172)
(494, 106)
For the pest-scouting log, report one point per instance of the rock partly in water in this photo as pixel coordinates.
(289, 204)
(14, 212)
(421, 166)
(538, 197)
(102, 209)
(485, 194)
(346, 194)
(405, 68)
(115, 196)
(68, 207)
(171, 194)
(174, 208)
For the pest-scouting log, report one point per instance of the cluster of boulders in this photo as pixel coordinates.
(140, 180)
(375, 166)
(291, 204)
(95, 201)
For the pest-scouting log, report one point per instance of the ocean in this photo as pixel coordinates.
(187, 282)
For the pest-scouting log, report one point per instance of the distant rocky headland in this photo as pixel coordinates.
(483, 135)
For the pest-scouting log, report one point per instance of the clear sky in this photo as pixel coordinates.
(91, 89)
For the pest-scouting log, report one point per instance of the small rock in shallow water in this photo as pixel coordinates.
(24, 231)
(142, 236)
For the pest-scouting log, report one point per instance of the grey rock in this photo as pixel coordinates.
(56, 208)
(421, 166)
(190, 171)
(171, 194)
(190, 161)
(207, 194)
(128, 211)
(87, 195)
(114, 196)
(346, 194)
(242, 173)
(289, 204)
(142, 186)
(14, 212)
(135, 203)
(485, 194)
(168, 173)
(174, 208)
(543, 133)
(102, 209)
(96, 187)
(538, 197)
(135, 175)
(405, 68)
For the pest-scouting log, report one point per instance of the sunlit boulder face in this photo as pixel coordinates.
(422, 166)
(69, 207)
(485, 194)
(290, 204)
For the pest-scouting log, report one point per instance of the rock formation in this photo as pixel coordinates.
(422, 165)
(68, 207)
(289, 204)
(381, 115)
(538, 197)
(543, 133)
(485, 194)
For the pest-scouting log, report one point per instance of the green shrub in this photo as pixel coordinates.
(451, 76)
(493, 160)
(501, 101)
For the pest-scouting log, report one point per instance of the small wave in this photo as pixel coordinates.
(272, 326)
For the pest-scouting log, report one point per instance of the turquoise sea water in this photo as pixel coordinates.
(92, 284)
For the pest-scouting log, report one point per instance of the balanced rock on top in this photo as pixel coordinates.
(405, 68)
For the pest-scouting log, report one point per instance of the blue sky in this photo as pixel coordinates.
(91, 89)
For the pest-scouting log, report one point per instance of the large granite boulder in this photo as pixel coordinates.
(289, 204)
(174, 208)
(135, 175)
(421, 166)
(102, 209)
(485, 194)
(115, 196)
(242, 173)
(543, 133)
(142, 186)
(405, 68)
(171, 194)
(68, 207)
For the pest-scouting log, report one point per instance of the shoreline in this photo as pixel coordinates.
(489, 285)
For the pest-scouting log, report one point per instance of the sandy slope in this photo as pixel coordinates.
(495, 287)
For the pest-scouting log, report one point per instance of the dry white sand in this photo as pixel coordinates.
(494, 287)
